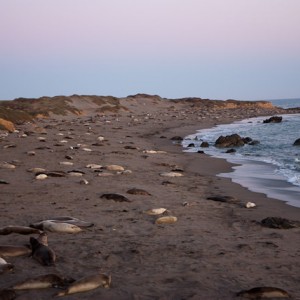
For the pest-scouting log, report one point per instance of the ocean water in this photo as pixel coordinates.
(271, 167)
(286, 103)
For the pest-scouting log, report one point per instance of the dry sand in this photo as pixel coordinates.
(213, 251)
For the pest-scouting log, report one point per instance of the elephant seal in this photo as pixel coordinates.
(264, 292)
(5, 266)
(69, 220)
(11, 251)
(43, 238)
(53, 226)
(43, 254)
(18, 229)
(7, 294)
(86, 284)
(43, 282)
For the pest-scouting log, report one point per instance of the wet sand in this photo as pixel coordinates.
(213, 251)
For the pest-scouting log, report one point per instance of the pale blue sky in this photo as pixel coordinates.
(218, 49)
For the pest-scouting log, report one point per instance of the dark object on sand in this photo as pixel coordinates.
(7, 294)
(279, 223)
(43, 254)
(225, 199)
(176, 138)
(297, 142)
(135, 191)
(274, 119)
(3, 182)
(263, 292)
(115, 197)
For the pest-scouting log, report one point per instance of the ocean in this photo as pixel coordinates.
(271, 167)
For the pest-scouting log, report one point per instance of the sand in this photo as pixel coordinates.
(213, 251)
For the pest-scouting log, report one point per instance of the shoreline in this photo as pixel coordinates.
(213, 251)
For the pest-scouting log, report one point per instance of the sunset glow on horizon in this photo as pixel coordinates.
(211, 49)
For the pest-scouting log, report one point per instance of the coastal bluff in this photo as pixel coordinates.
(23, 110)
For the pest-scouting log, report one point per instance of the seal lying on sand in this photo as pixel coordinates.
(18, 229)
(54, 226)
(86, 284)
(43, 254)
(11, 251)
(43, 282)
(264, 292)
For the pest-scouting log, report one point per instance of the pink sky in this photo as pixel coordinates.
(180, 35)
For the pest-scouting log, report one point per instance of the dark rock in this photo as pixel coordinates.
(233, 140)
(225, 199)
(274, 119)
(297, 142)
(201, 152)
(8, 294)
(254, 142)
(247, 140)
(230, 150)
(279, 223)
(115, 197)
(204, 145)
(191, 145)
(176, 138)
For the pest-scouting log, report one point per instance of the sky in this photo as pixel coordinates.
(216, 49)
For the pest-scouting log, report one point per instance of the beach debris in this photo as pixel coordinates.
(62, 219)
(135, 191)
(264, 292)
(166, 220)
(12, 251)
(225, 199)
(88, 283)
(171, 174)
(279, 223)
(126, 172)
(114, 168)
(155, 211)
(31, 153)
(59, 226)
(42, 253)
(3, 181)
(41, 139)
(9, 146)
(84, 181)
(41, 176)
(250, 205)
(18, 229)
(115, 197)
(87, 149)
(43, 282)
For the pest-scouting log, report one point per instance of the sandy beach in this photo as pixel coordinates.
(213, 251)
